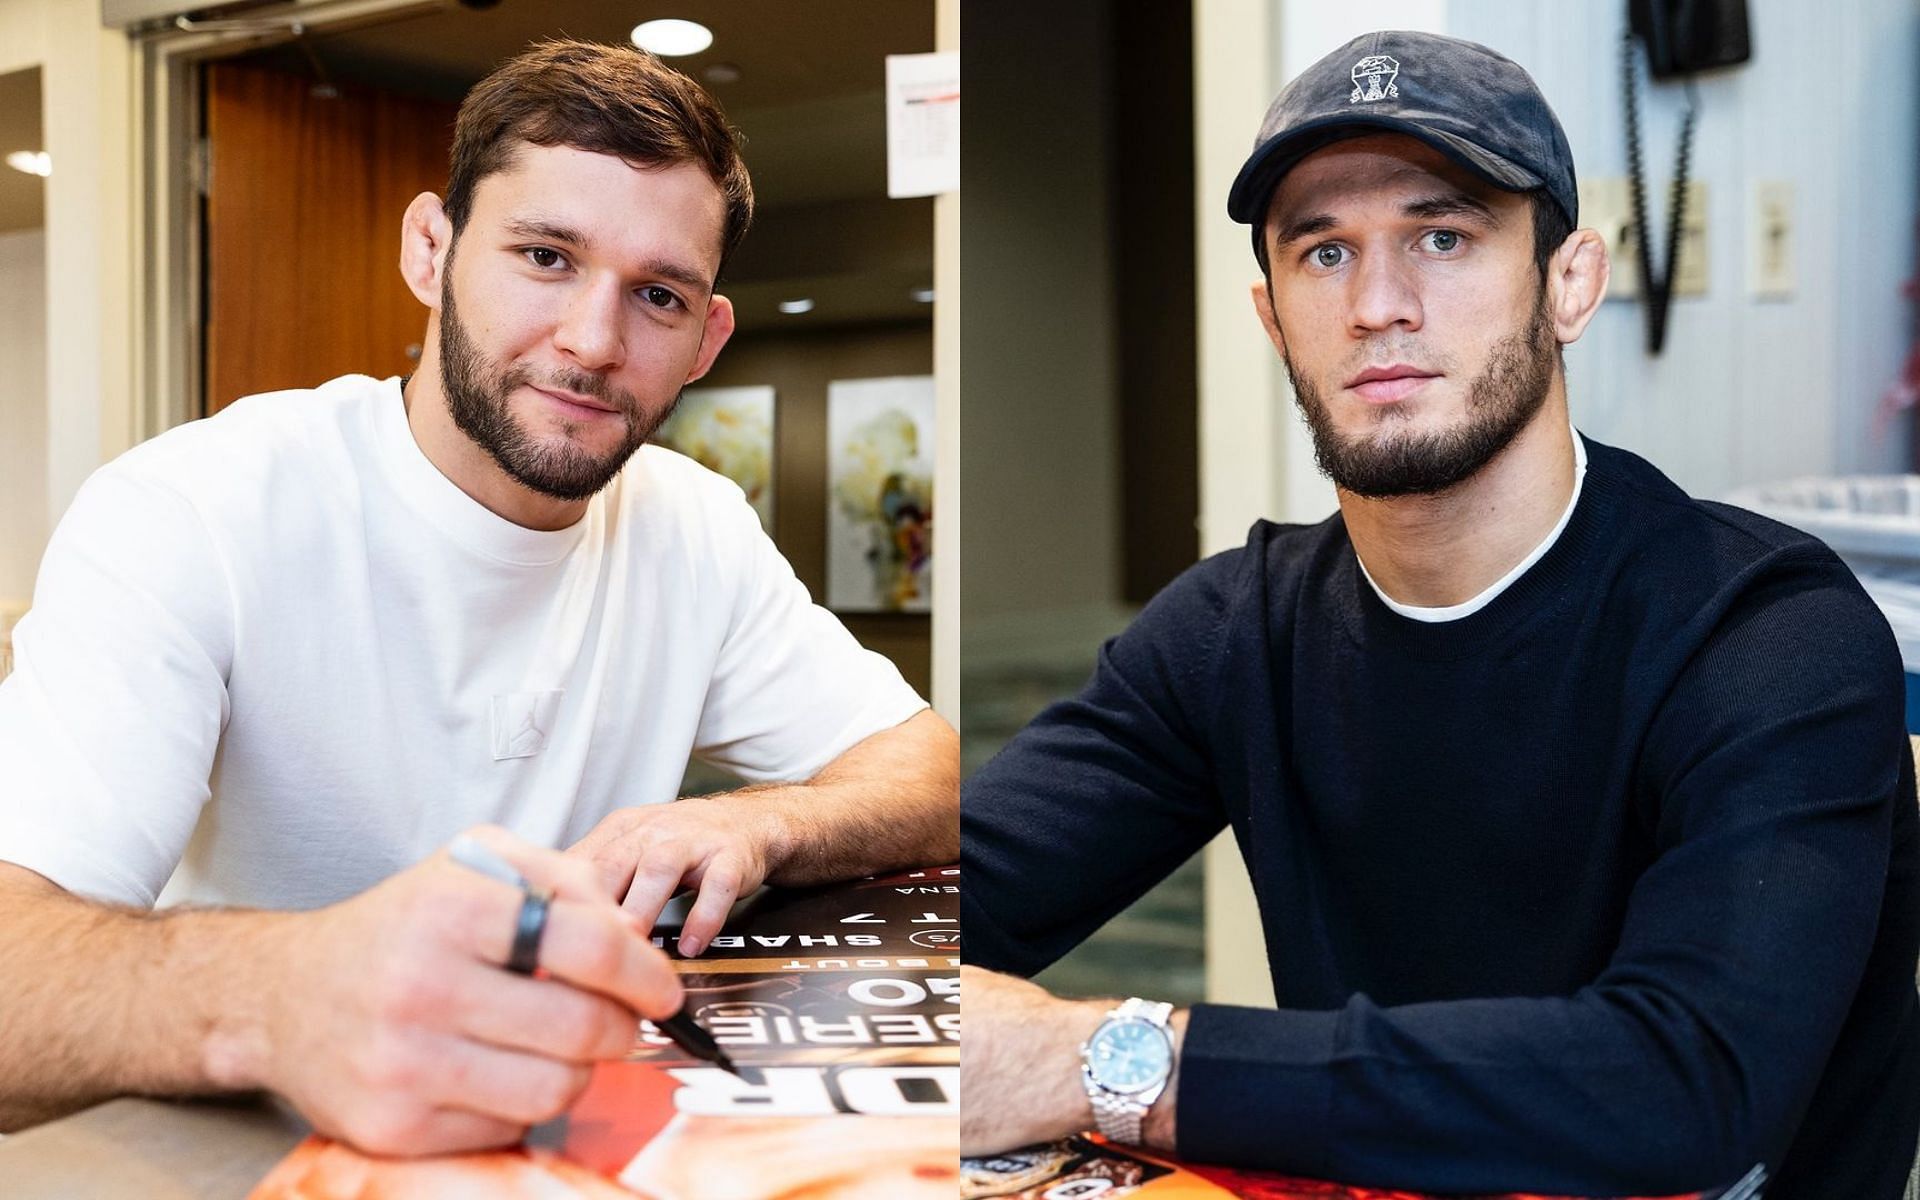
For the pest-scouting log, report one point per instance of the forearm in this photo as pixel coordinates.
(890, 802)
(1020, 1063)
(102, 1001)
(1021, 1069)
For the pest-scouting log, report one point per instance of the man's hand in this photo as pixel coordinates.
(386, 1019)
(721, 845)
(889, 802)
(392, 1023)
(1020, 1066)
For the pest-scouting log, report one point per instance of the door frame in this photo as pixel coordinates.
(169, 184)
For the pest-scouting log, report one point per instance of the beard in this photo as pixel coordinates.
(477, 390)
(1501, 400)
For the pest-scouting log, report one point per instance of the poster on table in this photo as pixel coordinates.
(1081, 1168)
(880, 494)
(728, 430)
(841, 1007)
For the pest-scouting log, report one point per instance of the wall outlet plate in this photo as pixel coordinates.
(1606, 205)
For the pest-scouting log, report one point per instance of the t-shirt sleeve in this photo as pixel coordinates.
(1775, 769)
(792, 689)
(112, 716)
(1102, 795)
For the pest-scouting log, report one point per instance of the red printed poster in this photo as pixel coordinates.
(1082, 1168)
(840, 1005)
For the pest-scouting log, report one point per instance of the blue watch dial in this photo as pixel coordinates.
(1129, 1056)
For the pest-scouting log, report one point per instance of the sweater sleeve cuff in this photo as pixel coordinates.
(989, 948)
(1254, 1088)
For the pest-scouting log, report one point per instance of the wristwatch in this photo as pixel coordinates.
(1125, 1066)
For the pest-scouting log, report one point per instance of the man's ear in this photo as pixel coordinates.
(713, 335)
(1577, 277)
(425, 237)
(1263, 305)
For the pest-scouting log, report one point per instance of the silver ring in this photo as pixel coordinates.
(529, 927)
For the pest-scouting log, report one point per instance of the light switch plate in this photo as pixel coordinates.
(1770, 250)
(1606, 205)
(1692, 277)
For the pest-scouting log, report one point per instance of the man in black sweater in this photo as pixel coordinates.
(1580, 813)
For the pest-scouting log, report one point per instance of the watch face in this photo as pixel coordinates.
(1129, 1056)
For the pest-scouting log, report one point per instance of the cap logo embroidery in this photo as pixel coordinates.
(1373, 78)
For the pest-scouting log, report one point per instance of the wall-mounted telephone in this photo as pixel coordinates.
(1681, 36)
(1684, 36)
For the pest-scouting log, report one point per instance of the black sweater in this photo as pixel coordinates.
(1607, 888)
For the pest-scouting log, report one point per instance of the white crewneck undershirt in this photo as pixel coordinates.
(1466, 608)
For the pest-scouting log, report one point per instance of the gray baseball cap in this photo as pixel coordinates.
(1478, 108)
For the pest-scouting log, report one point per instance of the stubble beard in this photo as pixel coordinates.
(1501, 400)
(478, 389)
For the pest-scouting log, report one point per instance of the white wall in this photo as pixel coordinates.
(23, 411)
(1249, 432)
(23, 33)
(946, 372)
(86, 105)
(1750, 390)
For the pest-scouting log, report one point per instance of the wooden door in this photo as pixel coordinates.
(304, 200)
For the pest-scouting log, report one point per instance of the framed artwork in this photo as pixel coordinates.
(880, 494)
(729, 430)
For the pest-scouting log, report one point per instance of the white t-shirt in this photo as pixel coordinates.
(279, 651)
(1435, 614)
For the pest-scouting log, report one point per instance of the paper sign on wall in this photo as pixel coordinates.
(923, 124)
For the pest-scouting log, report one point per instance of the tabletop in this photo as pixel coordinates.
(159, 1149)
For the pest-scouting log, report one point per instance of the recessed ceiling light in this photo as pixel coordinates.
(33, 162)
(721, 72)
(796, 307)
(672, 38)
(922, 295)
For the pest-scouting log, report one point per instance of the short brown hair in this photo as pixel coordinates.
(605, 99)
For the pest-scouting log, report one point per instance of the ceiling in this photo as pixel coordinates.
(22, 196)
(809, 100)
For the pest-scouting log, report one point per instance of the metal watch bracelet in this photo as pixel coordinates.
(1119, 1115)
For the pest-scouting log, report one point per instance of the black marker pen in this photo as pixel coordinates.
(684, 1031)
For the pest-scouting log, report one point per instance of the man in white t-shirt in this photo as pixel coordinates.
(279, 659)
